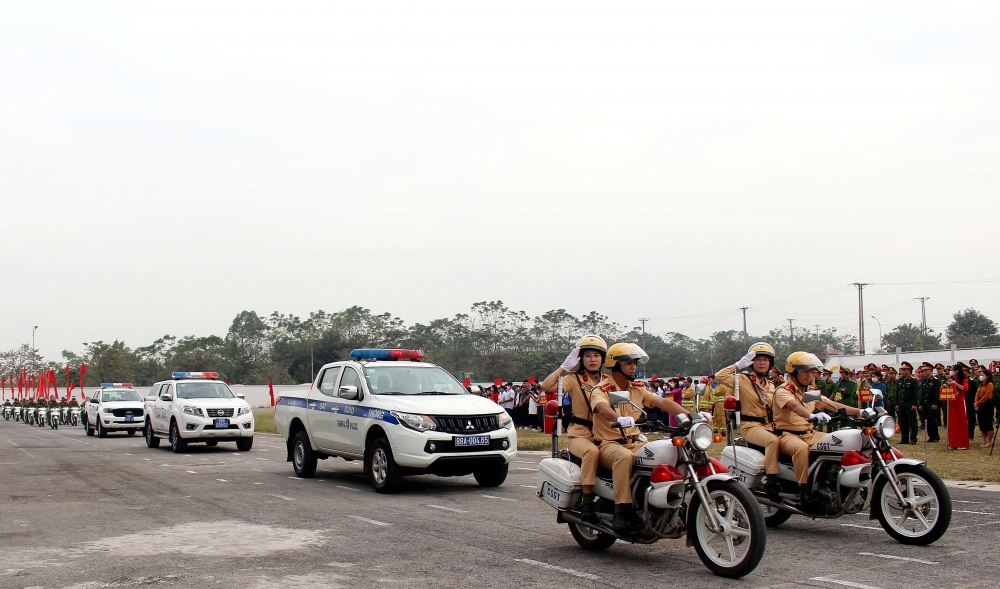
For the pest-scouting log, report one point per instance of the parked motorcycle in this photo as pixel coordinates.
(850, 470)
(679, 490)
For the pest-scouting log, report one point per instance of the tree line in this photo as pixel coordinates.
(490, 341)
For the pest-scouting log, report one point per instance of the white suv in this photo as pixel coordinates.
(401, 416)
(193, 407)
(116, 407)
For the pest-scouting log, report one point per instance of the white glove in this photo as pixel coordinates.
(746, 361)
(571, 361)
(642, 438)
(822, 418)
(626, 421)
(877, 394)
(705, 415)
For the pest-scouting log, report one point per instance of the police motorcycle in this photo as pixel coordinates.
(850, 470)
(40, 413)
(29, 415)
(54, 416)
(672, 482)
(8, 411)
(74, 416)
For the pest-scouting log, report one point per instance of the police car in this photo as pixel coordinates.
(115, 407)
(194, 407)
(401, 416)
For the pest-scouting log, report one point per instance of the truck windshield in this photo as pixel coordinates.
(122, 395)
(412, 380)
(203, 390)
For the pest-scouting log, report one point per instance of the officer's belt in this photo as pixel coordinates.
(581, 421)
(753, 418)
(778, 432)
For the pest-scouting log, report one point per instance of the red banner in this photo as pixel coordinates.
(949, 393)
(865, 396)
(467, 382)
(270, 391)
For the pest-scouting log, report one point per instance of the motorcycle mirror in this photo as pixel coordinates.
(618, 398)
(811, 396)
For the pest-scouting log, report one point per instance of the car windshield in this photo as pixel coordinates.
(203, 390)
(120, 395)
(412, 380)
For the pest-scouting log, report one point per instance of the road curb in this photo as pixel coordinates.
(973, 486)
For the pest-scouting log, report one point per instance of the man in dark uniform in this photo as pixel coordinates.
(907, 395)
(970, 397)
(929, 392)
(890, 392)
(941, 375)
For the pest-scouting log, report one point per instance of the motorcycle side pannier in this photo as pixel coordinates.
(559, 483)
(751, 464)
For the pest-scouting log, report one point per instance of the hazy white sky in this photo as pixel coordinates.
(165, 165)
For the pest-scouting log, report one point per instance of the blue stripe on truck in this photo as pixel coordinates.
(347, 409)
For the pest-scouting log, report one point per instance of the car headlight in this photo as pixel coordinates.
(505, 420)
(107, 410)
(244, 410)
(189, 410)
(701, 436)
(886, 426)
(414, 421)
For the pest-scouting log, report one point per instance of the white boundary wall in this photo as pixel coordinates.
(947, 357)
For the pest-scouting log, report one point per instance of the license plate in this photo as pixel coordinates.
(461, 441)
(221, 424)
(129, 417)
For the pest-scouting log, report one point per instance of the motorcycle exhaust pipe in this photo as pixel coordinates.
(784, 506)
(569, 516)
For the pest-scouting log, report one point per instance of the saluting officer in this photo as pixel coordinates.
(907, 397)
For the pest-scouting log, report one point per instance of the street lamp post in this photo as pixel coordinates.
(879, 330)
(33, 339)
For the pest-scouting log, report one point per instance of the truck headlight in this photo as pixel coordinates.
(701, 436)
(189, 410)
(414, 421)
(244, 410)
(107, 410)
(505, 420)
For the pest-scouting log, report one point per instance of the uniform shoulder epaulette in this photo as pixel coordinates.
(638, 383)
(608, 386)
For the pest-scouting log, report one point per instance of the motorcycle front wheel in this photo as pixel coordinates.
(738, 548)
(930, 517)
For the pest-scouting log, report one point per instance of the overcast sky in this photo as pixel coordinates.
(164, 166)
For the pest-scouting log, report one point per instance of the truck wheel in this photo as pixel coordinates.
(491, 476)
(244, 444)
(303, 457)
(90, 430)
(177, 443)
(102, 432)
(151, 440)
(384, 474)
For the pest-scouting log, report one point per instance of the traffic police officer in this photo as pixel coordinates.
(616, 444)
(756, 412)
(930, 390)
(907, 396)
(581, 372)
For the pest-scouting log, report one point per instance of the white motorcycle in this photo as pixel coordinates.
(672, 482)
(851, 470)
(40, 414)
(54, 416)
(7, 412)
(29, 415)
(74, 416)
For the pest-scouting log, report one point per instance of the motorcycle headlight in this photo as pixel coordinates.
(189, 410)
(886, 426)
(505, 420)
(244, 410)
(701, 436)
(414, 421)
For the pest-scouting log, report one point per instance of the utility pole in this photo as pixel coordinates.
(744, 309)
(33, 341)
(861, 316)
(791, 333)
(923, 315)
(817, 331)
(643, 320)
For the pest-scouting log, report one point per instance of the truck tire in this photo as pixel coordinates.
(244, 444)
(102, 431)
(90, 430)
(491, 476)
(303, 457)
(383, 472)
(177, 443)
(151, 440)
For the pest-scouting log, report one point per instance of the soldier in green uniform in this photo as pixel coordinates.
(907, 395)
(825, 384)
(930, 390)
(847, 389)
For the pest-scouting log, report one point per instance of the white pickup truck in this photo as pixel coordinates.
(401, 416)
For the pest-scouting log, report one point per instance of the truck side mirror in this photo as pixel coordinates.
(240, 396)
(349, 392)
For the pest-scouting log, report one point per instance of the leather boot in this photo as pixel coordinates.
(587, 513)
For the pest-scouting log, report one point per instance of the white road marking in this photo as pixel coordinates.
(844, 583)
(281, 497)
(222, 480)
(862, 527)
(974, 512)
(347, 488)
(958, 501)
(500, 498)
(553, 567)
(190, 471)
(451, 509)
(258, 483)
(891, 557)
(371, 521)
(527, 486)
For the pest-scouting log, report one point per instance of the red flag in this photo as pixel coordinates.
(83, 370)
(270, 391)
(531, 379)
(654, 377)
(467, 382)
(3, 387)
(498, 382)
(69, 384)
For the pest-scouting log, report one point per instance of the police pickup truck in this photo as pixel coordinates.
(116, 407)
(401, 416)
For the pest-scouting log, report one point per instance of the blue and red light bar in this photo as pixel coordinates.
(377, 354)
(116, 385)
(183, 375)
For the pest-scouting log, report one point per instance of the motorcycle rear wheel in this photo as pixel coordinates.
(774, 517)
(934, 499)
(746, 530)
(591, 539)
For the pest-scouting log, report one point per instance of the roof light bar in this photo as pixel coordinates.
(183, 375)
(379, 354)
(116, 385)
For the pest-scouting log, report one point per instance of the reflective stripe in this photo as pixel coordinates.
(347, 409)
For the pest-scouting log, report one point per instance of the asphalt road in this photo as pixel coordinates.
(87, 513)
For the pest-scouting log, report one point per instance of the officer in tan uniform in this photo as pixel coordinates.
(756, 417)
(617, 445)
(580, 373)
(791, 416)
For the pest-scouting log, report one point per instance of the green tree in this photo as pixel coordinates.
(972, 329)
(908, 337)
(114, 362)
